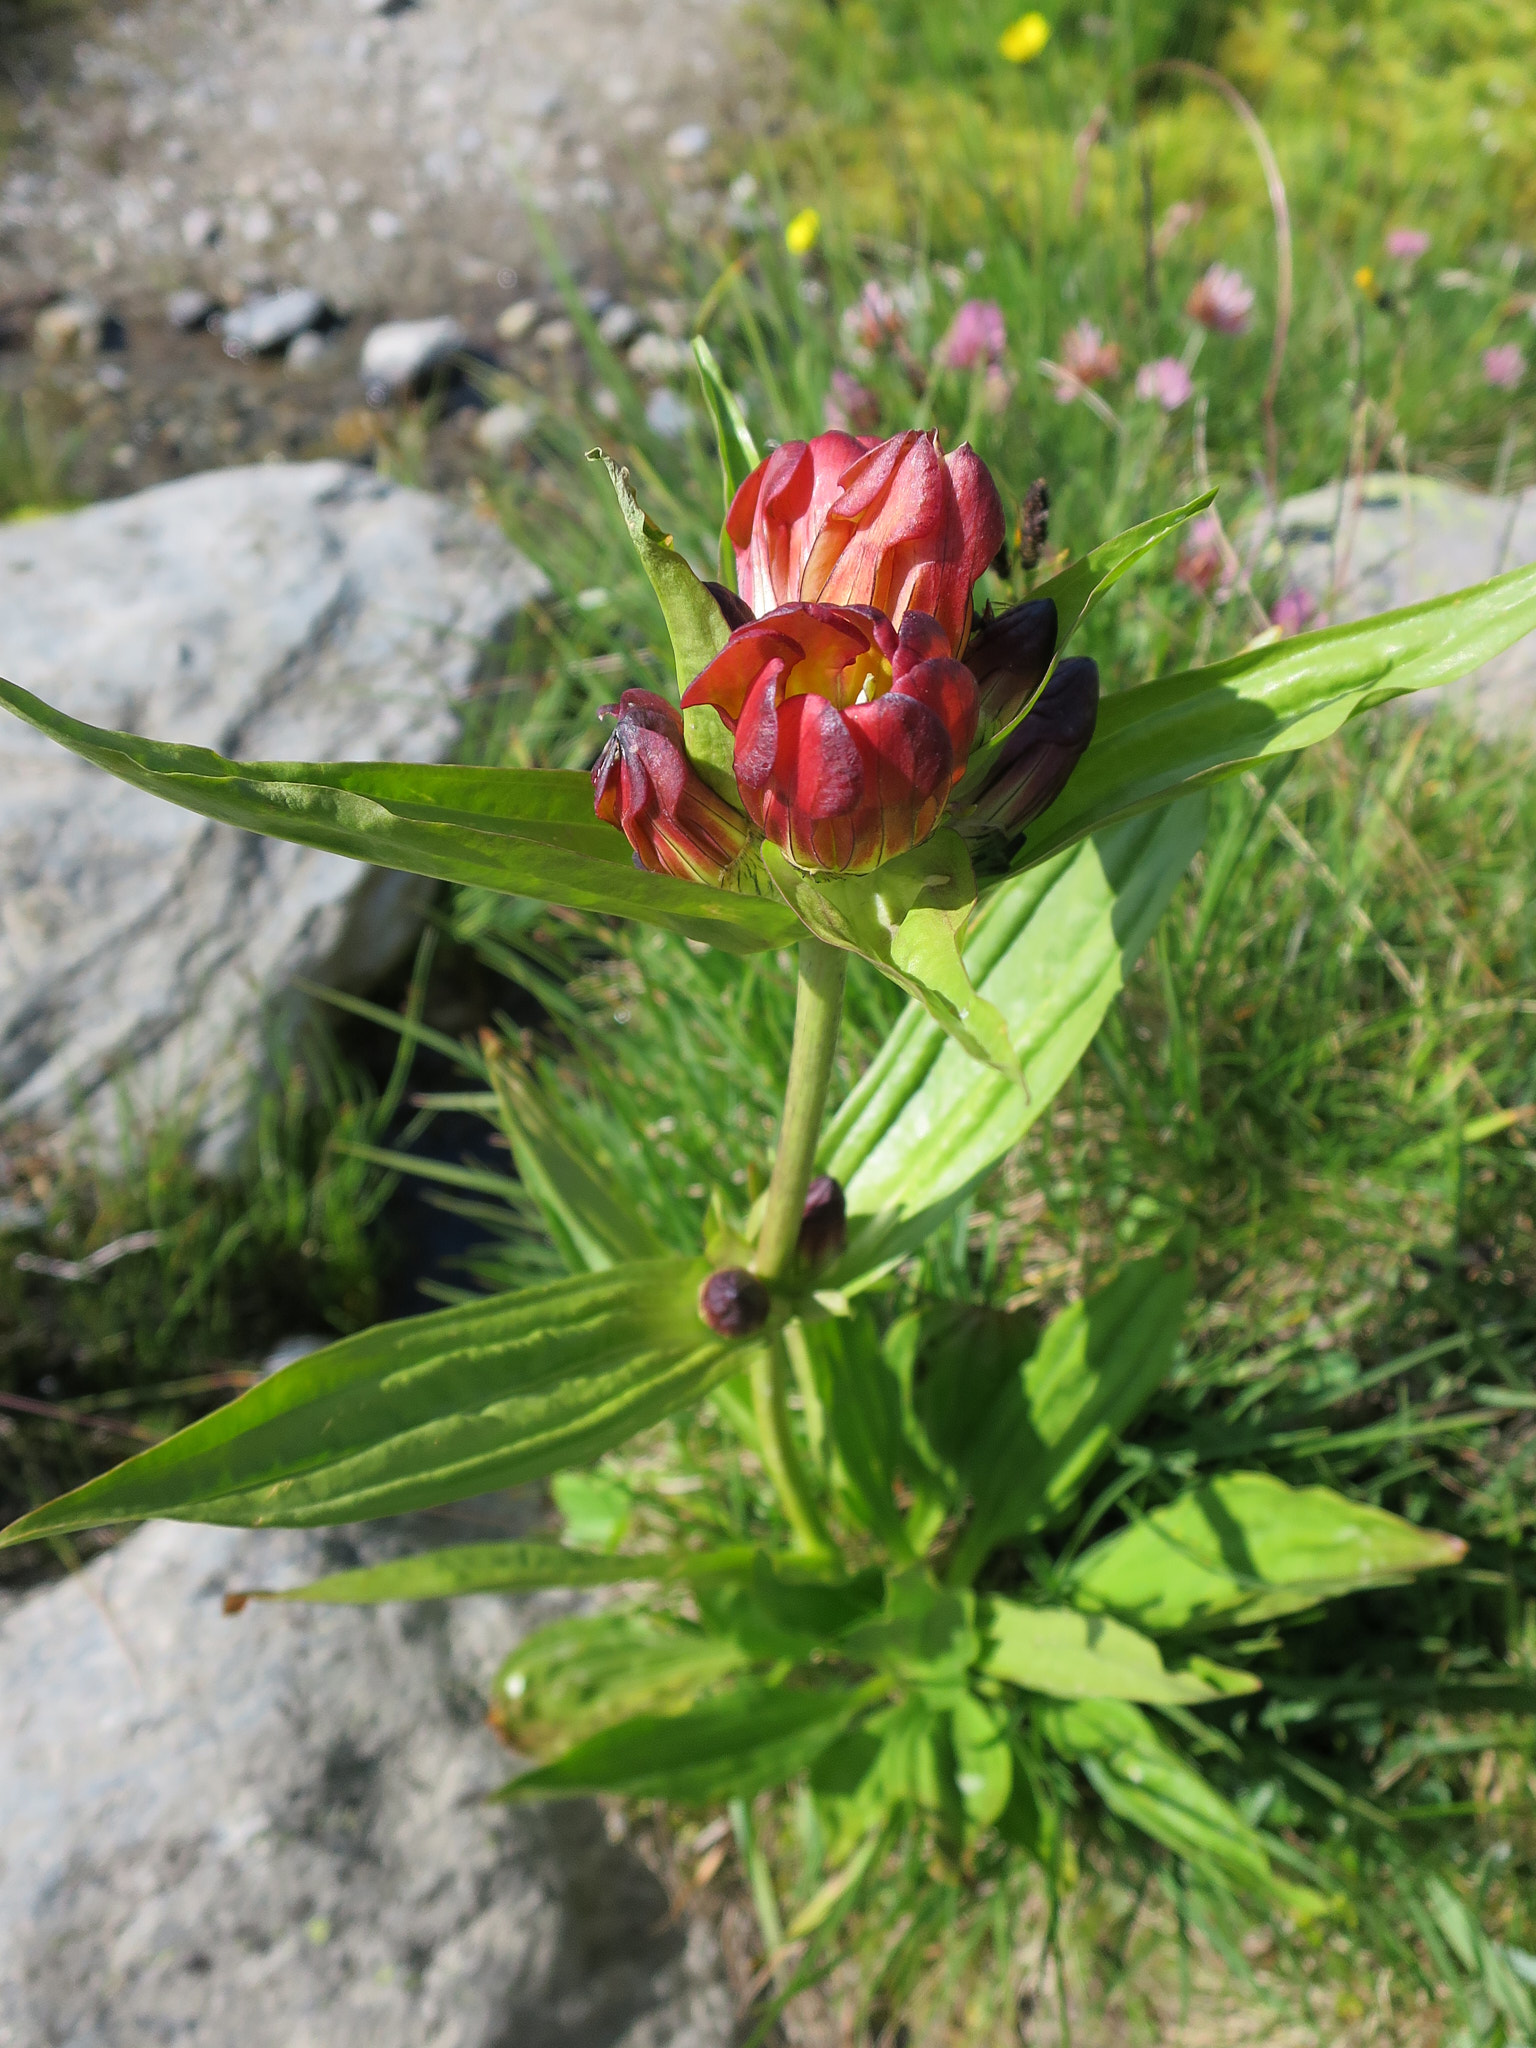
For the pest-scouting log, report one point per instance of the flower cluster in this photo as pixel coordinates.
(854, 680)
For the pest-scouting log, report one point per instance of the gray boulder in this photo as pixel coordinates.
(1387, 541)
(272, 1829)
(307, 611)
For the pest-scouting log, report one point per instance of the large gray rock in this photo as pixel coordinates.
(305, 611)
(271, 1830)
(1386, 541)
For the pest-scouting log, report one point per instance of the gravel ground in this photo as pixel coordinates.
(387, 157)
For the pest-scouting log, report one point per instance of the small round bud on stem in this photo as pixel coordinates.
(823, 1222)
(734, 1302)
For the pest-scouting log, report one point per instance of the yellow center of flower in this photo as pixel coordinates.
(860, 681)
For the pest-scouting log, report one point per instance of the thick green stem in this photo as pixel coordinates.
(818, 1013)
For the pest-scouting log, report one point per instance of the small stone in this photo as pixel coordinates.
(385, 226)
(504, 428)
(71, 328)
(190, 308)
(517, 320)
(667, 415)
(606, 404)
(112, 377)
(355, 432)
(670, 315)
(200, 228)
(556, 336)
(306, 352)
(658, 356)
(688, 142)
(619, 324)
(401, 353)
(258, 224)
(377, 7)
(271, 320)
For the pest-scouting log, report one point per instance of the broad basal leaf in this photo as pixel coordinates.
(1094, 1370)
(907, 917)
(577, 1676)
(1071, 1656)
(428, 1410)
(506, 1568)
(1050, 949)
(695, 622)
(979, 1730)
(1168, 736)
(1147, 1783)
(1245, 1547)
(925, 1636)
(524, 832)
(730, 1747)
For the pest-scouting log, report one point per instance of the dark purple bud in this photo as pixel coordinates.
(1009, 656)
(1042, 750)
(734, 1302)
(823, 1222)
(735, 610)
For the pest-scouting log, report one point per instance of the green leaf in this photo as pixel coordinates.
(695, 622)
(1094, 1370)
(1146, 1782)
(862, 1402)
(782, 1612)
(592, 1227)
(963, 1353)
(432, 1409)
(595, 1509)
(738, 450)
(1246, 1547)
(979, 1730)
(1165, 737)
(1075, 592)
(524, 832)
(503, 1568)
(730, 1747)
(589, 1671)
(925, 1636)
(1050, 949)
(1071, 1656)
(907, 917)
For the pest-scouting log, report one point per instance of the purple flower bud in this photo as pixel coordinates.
(823, 1222)
(733, 609)
(734, 1302)
(1042, 750)
(1009, 656)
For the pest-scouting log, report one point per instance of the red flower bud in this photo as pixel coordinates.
(846, 520)
(734, 1302)
(1009, 656)
(849, 736)
(644, 783)
(823, 1222)
(1042, 750)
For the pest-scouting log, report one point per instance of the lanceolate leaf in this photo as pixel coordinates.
(694, 620)
(1094, 1370)
(738, 450)
(525, 832)
(428, 1410)
(1071, 1656)
(589, 1671)
(1146, 1782)
(1050, 950)
(1168, 736)
(1245, 1547)
(591, 1226)
(507, 1568)
(729, 1747)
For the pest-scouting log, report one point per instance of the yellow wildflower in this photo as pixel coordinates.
(803, 232)
(1365, 278)
(1022, 43)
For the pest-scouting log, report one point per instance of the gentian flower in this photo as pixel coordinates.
(1009, 656)
(976, 335)
(844, 520)
(1222, 300)
(1041, 752)
(1167, 382)
(644, 783)
(849, 734)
